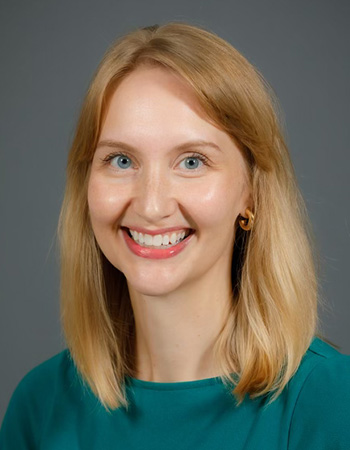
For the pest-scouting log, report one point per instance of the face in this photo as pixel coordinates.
(160, 168)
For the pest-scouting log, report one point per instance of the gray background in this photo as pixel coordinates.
(49, 51)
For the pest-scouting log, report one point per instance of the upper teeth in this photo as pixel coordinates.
(158, 239)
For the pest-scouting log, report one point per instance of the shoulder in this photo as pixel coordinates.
(322, 357)
(49, 370)
(321, 414)
(320, 348)
(32, 399)
(43, 380)
(323, 368)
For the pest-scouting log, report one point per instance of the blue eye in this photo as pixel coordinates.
(191, 162)
(120, 161)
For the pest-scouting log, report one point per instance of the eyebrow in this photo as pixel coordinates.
(184, 146)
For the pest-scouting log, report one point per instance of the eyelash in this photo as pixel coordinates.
(199, 156)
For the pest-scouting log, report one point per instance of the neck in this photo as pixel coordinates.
(176, 333)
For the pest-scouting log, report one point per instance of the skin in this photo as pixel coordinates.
(180, 303)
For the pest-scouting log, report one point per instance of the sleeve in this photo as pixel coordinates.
(321, 417)
(24, 418)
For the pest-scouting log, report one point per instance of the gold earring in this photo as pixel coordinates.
(246, 223)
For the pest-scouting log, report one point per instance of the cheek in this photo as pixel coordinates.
(216, 204)
(104, 201)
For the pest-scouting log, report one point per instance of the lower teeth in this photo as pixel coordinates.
(158, 246)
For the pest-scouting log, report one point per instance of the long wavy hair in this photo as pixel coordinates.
(273, 316)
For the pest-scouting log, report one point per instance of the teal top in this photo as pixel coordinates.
(51, 410)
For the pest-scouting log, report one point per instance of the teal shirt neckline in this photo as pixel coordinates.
(176, 385)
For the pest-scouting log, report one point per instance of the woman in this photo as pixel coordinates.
(189, 297)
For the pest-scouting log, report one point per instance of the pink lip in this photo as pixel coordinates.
(155, 253)
(155, 232)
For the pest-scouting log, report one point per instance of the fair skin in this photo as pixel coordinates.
(180, 303)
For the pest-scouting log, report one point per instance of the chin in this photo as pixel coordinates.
(155, 288)
(151, 291)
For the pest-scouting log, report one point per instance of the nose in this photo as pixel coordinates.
(154, 200)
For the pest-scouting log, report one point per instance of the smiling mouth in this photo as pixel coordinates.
(164, 241)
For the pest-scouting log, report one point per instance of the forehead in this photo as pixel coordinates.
(150, 90)
(155, 99)
(155, 110)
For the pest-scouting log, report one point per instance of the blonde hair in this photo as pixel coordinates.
(273, 316)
